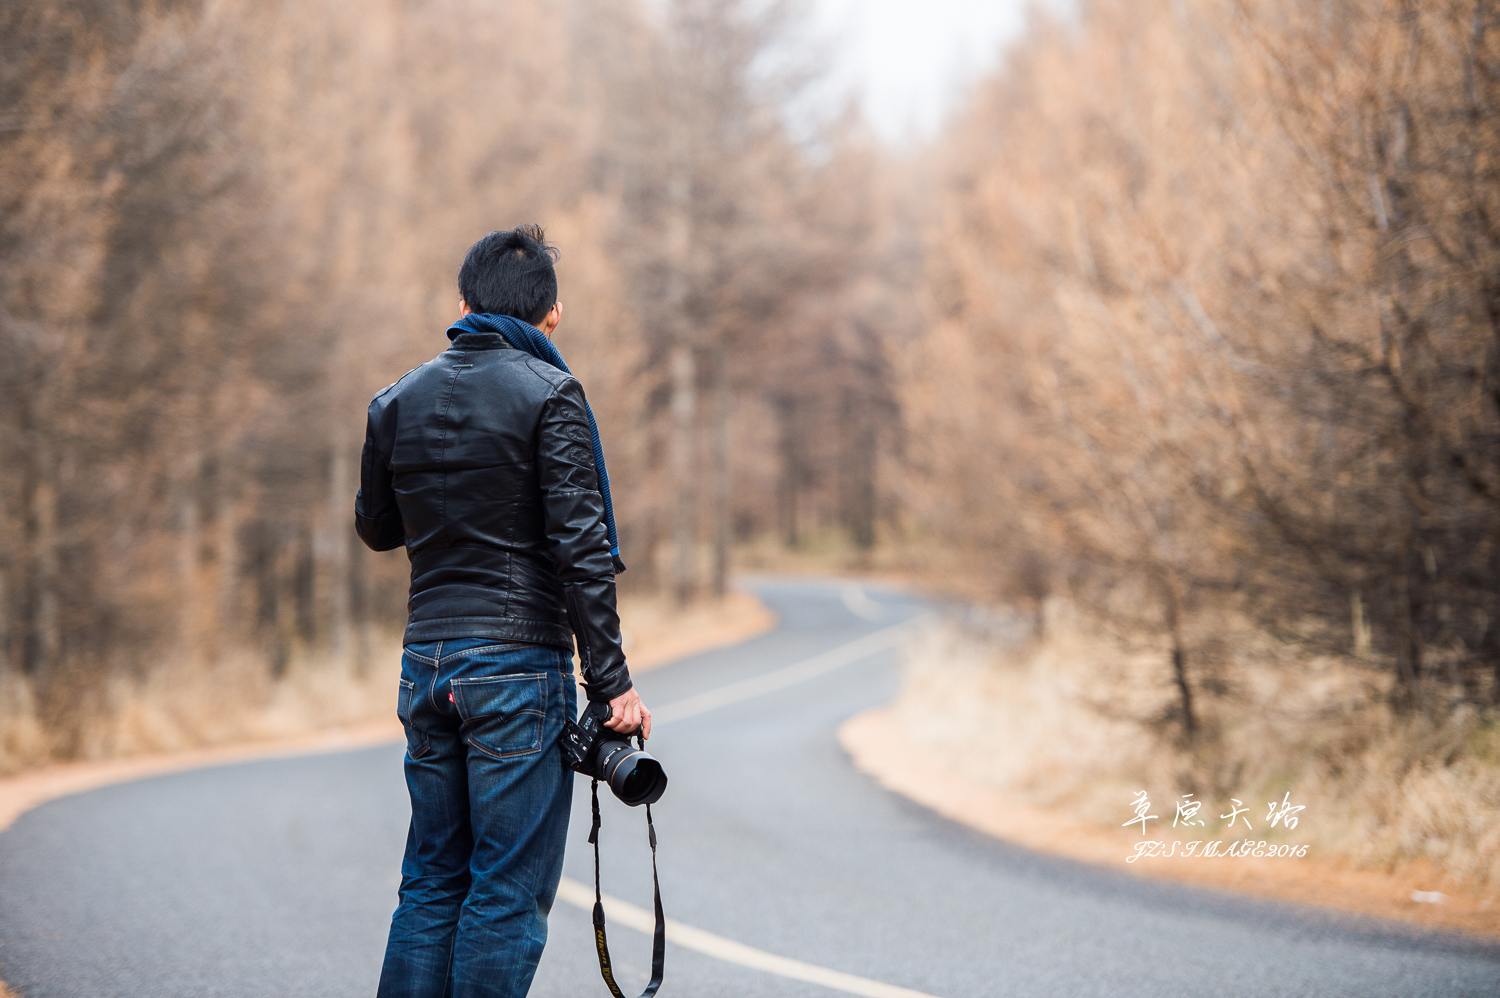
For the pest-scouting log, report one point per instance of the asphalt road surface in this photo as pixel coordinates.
(278, 878)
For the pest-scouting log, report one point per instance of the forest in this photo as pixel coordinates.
(1190, 314)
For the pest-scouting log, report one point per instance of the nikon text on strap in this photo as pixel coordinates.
(659, 939)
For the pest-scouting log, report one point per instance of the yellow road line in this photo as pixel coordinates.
(628, 915)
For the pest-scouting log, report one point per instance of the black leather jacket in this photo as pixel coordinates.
(480, 462)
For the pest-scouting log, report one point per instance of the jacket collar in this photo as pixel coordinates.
(468, 339)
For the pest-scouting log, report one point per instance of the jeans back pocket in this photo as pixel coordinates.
(502, 715)
(417, 740)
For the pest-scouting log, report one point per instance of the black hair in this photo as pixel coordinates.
(510, 273)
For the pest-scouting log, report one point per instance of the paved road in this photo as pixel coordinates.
(277, 878)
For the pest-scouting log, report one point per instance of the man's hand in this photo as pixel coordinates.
(626, 713)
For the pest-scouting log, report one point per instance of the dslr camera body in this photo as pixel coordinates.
(590, 748)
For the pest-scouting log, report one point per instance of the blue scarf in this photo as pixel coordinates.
(524, 336)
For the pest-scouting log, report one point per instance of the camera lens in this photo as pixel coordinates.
(636, 783)
(632, 774)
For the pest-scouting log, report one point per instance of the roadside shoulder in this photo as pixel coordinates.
(881, 748)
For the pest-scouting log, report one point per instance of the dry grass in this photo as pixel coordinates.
(193, 705)
(1066, 723)
(184, 705)
(881, 747)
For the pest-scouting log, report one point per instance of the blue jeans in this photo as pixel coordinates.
(490, 798)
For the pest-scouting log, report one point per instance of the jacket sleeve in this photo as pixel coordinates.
(376, 518)
(577, 542)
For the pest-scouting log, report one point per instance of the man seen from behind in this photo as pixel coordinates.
(482, 463)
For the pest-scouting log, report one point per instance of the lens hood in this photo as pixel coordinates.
(634, 776)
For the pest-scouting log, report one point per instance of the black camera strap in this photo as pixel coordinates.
(659, 939)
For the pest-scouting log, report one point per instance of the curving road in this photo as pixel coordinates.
(277, 878)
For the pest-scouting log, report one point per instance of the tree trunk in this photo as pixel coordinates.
(683, 405)
(1179, 661)
(359, 609)
(787, 487)
(7, 652)
(340, 504)
(684, 519)
(1408, 642)
(189, 548)
(270, 613)
(227, 629)
(305, 588)
(1359, 625)
(44, 642)
(859, 473)
(722, 509)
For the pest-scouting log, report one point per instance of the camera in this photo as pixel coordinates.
(595, 751)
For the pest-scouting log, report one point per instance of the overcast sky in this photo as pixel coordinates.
(909, 58)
